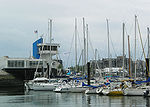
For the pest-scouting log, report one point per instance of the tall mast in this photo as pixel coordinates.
(135, 46)
(75, 44)
(84, 45)
(129, 56)
(148, 50)
(148, 42)
(123, 49)
(108, 45)
(95, 58)
(87, 35)
(83, 60)
(50, 35)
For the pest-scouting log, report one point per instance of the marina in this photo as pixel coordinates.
(74, 53)
(44, 73)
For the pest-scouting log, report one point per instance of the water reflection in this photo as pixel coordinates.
(48, 98)
(147, 101)
(12, 91)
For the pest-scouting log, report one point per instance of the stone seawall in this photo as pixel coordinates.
(7, 80)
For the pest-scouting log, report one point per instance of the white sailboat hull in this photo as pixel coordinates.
(134, 92)
(44, 87)
(78, 89)
(91, 91)
(67, 88)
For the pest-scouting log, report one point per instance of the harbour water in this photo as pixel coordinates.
(20, 98)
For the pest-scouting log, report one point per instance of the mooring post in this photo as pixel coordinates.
(48, 75)
(147, 68)
(88, 66)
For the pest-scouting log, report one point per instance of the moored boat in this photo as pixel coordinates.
(91, 91)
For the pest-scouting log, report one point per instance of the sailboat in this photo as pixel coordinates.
(74, 86)
(113, 88)
(143, 89)
(46, 51)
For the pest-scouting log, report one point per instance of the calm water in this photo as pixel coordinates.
(20, 98)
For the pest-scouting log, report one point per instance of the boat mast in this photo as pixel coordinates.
(129, 56)
(148, 42)
(95, 59)
(147, 71)
(135, 46)
(108, 45)
(84, 45)
(87, 35)
(75, 45)
(50, 35)
(148, 50)
(83, 60)
(123, 49)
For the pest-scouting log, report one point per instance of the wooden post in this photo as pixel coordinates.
(147, 68)
(88, 66)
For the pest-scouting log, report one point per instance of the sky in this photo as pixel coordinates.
(19, 19)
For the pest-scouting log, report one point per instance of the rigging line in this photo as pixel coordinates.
(80, 57)
(91, 45)
(113, 46)
(126, 33)
(144, 48)
(142, 45)
(131, 29)
(79, 41)
(97, 65)
(126, 30)
(98, 54)
(131, 53)
(70, 49)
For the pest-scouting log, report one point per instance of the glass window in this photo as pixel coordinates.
(48, 47)
(16, 63)
(54, 48)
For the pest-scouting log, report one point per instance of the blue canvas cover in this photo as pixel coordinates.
(139, 82)
(35, 48)
(105, 84)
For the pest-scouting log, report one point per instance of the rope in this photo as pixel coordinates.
(70, 49)
(113, 46)
(91, 46)
(144, 48)
(142, 45)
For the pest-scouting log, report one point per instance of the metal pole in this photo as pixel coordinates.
(87, 35)
(148, 51)
(135, 46)
(148, 42)
(83, 61)
(75, 44)
(123, 50)
(50, 61)
(129, 57)
(88, 66)
(108, 45)
(84, 45)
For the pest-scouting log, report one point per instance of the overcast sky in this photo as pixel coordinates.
(19, 19)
